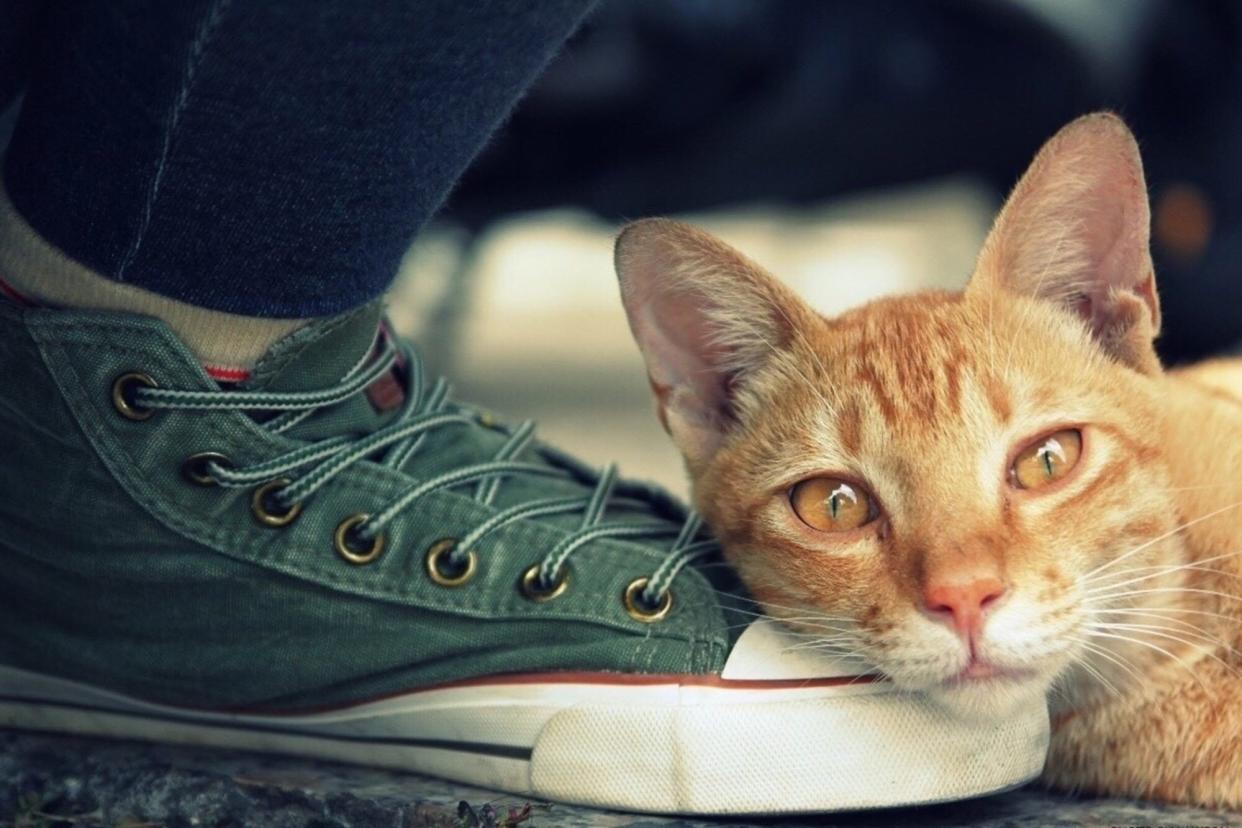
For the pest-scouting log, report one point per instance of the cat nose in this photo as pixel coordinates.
(963, 601)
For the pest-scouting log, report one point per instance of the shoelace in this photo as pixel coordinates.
(424, 409)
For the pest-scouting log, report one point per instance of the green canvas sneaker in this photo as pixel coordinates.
(332, 559)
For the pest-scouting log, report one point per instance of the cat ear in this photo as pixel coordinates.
(1075, 232)
(706, 319)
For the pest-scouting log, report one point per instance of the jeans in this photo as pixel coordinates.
(270, 158)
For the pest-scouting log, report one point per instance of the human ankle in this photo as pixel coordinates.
(34, 272)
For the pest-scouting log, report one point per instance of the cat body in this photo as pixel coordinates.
(1175, 733)
(990, 495)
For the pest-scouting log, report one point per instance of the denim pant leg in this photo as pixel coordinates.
(268, 158)
(17, 35)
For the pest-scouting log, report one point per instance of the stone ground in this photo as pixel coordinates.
(542, 335)
(58, 781)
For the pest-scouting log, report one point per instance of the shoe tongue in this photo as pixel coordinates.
(320, 354)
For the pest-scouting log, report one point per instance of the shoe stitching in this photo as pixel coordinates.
(295, 344)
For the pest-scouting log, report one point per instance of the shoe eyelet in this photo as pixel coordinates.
(343, 541)
(439, 569)
(261, 506)
(532, 589)
(638, 609)
(123, 388)
(194, 469)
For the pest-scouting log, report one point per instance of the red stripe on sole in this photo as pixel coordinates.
(616, 679)
(11, 292)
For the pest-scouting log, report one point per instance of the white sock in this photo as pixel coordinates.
(37, 273)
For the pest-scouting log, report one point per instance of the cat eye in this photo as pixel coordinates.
(830, 504)
(1047, 459)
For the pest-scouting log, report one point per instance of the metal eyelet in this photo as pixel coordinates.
(439, 568)
(123, 388)
(259, 504)
(194, 469)
(539, 593)
(347, 551)
(638, 608)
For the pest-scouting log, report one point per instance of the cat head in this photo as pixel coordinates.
(931, 481)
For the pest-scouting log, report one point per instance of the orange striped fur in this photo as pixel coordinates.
(1122, 581)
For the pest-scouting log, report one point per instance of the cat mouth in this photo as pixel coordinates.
(978, 671)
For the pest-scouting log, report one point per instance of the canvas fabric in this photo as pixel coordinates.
(116, 571)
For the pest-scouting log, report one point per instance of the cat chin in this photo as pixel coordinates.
(989, 699)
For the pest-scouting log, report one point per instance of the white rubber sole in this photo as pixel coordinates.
(689, 745)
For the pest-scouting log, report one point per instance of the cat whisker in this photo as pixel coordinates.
(804, 626)
(1161, 610)
(818, 630)
(819, 636)
(1184, 568)
(1186, 625)
(1090, 670)
(1163, 567)
(1195, 562)
(833, 634)
(1158, 538)
(825, 620)
(807, 621)
(833, 649)
(756, 602)
(1110, 597)
(1198, 637)
(1104, 653)
(809, 616)
(1207, 570)
(810, 631)
(1195, 488)
(823, 629)
(1155, 647)
(820, 644)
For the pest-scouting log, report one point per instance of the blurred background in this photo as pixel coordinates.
(855, 149)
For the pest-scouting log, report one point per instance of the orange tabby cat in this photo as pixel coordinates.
(988, 494)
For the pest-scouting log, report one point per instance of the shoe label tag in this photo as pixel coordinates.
(386, 392)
